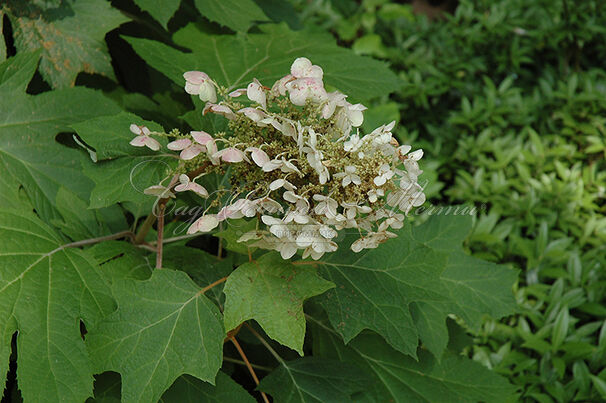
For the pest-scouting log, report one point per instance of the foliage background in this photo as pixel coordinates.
(507, 98)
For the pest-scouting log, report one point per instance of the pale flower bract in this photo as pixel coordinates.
(294, 164)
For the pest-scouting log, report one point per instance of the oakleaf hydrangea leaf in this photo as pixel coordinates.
(404, 289)
(398, 378)
(313, 379)
(271, 291)
(164, 327)
(71, 36)
(235, 14)
(234, 60)
(28, 149)
(45, 290)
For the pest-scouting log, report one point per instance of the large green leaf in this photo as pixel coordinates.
(405, 289)
(45, 290)
(398, 378)
(233, 60)
(164, 327)
(188, 389)
(271, 291)
(312, 379)
(28, 126)
(235, 14)
(71, 36)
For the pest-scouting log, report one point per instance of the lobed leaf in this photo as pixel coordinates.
(164, 327)
(404, 289)
(271, 291)
(398, 378)
(234, 60)
(45, 290)
(28, 149)
(71, 36)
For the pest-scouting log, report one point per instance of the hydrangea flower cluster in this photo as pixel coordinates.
(298, 163)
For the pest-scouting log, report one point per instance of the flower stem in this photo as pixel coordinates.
(160, 244)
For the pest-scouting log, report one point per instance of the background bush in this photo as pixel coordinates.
(509, 99)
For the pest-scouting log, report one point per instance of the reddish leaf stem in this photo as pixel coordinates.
(250, 368)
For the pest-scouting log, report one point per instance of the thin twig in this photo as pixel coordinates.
(159, 243)
(250, 368)
(257, 366)
(265, 343)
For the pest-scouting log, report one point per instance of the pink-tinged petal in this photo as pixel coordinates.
(279, 87)
(220, 110)
(253, 114)
(195, 77)
(223, 214)
(182, 187)
(135, 129)
(191, 152)
(232, 155)
(138, 141)
(145, 131)
(237, 93)
(151, 143)
(198, 189)
(203, 224)
(259, 156)
(192, 89)
(255, 93)
(298, 97)
(300, 67)
(178, 145)
(201, 137)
